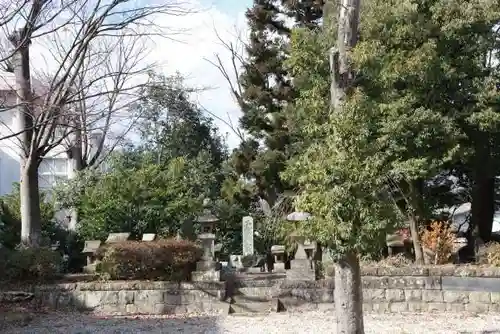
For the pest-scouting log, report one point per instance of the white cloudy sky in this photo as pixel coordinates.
(201, 43)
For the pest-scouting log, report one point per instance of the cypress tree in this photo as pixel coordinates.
(267, 91)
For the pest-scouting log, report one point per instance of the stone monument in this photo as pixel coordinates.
(247, 233)
(206, 267)
(235, 262)
(301, 267)
(149, 237)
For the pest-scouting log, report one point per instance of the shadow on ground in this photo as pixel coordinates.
(79, 323)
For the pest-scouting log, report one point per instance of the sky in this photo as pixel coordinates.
(189, 55)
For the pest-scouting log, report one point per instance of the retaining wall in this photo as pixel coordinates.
(384, 290)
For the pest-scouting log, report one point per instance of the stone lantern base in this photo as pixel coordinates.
(206, 265)
(205, 276)
(206, 272)
(279, 258)
(206, 268)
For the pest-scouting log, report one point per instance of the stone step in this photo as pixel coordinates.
(252, 307)
(293, 304)
(241, 304)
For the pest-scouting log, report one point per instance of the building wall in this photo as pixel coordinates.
(54, 168)
(9, 172)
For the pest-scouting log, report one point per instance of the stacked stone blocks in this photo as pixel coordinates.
(447, 288)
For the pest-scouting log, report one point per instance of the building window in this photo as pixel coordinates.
(60, 132)
(53, 166)
(52, 171)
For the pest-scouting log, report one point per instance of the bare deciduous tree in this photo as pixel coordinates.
(82, 33)
(236, 60)
(111, 81)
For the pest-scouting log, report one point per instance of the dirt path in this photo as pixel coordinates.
(303, 323)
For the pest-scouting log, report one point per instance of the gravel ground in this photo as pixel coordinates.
(303, 323)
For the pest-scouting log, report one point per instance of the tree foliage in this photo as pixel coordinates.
(267, 90)
(171, 125)
(423, 82)
(430, 68)
(149, 199)
(341, 177)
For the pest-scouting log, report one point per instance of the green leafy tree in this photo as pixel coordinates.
(429, 68)
(423, 78)
(150, 199)
(340, 175)
(171, 125)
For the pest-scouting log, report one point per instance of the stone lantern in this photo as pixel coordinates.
(301, 267)
(207, 237)
(278, 251)
(206, 268)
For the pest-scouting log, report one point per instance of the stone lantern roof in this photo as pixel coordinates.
(207, 217)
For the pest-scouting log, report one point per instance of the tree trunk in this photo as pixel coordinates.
(75, 156)
(31, 229)
(415, 237)
(348, 295)
(483, 206)
(29, 192)
(483, 190)
(416, 217)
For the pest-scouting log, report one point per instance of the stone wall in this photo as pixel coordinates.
(384, 290)
(445, 288)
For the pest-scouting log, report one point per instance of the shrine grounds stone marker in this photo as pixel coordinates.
(117, 237)
(247, 226)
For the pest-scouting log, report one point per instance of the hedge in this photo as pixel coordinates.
(169, 259)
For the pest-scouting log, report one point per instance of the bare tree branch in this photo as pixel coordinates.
(98, 50)
(236, 61)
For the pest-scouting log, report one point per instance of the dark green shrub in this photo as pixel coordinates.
(157, 260)
(30, 264)
(73, 249)
(10, 219)
(70, 244)
(251, 260)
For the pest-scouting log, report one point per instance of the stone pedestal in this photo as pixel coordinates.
(278, 251)
(206, 267)
(301, 268)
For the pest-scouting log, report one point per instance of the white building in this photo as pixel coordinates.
(55, 165)
(460, 216)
